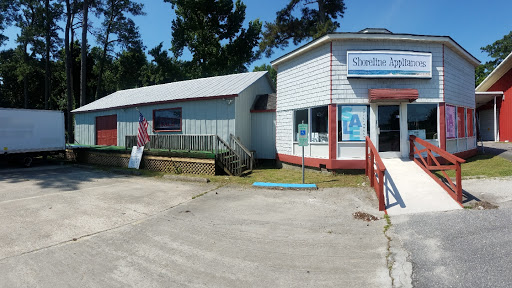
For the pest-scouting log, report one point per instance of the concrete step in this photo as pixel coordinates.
(408, 190)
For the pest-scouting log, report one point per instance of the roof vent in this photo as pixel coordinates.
(375, 31)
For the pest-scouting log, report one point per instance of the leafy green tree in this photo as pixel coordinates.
(212, 30)
(312, 24)
(132, 63)
(499, 50)
(163, 69)
(117, 29)
(271, 71)
(30, 22)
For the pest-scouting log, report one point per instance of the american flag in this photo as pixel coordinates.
(142, 134)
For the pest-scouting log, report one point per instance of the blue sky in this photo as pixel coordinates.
(471, 23)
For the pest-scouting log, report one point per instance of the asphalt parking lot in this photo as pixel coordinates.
(65, 226)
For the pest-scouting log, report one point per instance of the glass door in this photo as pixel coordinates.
(389, 129)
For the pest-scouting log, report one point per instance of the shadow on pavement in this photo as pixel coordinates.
(65, 177)
(391, 190)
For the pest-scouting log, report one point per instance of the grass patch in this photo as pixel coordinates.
(276, 175)
(483, 165)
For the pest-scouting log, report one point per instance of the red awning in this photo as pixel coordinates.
(376, 95)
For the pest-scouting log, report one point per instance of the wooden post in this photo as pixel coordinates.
(372, 171)
(411, 148)
(459, 181)
(366, 158)
(381, 190)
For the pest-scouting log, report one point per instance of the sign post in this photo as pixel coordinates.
(303, 141)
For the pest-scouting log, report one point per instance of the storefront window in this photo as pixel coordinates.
(422, 120)
(167, 120)
(451, 127)
(301, 117)
(353, 122)
(470, 122)
(461, 123)
(319, 124)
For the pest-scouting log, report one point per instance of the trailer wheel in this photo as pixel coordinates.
(27, 161)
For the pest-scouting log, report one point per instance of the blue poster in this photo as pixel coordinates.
(354, 124)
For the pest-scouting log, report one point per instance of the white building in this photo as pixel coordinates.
(374, 83)
(219, 105)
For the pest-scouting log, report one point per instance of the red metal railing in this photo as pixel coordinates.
(433, 163)
(375, 171)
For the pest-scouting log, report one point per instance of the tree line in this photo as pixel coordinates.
(54, 66)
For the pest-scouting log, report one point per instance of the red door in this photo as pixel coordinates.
(106, 130)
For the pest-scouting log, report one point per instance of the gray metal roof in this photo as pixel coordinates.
(225, 85)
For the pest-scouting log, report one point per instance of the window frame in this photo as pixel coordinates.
(166, 130)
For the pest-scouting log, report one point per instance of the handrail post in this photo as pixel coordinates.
(411, 148)
(459, 182)
(366, 157)
(381, 190)
(372, 171)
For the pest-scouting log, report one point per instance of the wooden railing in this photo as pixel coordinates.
(176, 142)
(437, 163)
(233, 157)
(246, 156)
(375, 171)
(227, 158)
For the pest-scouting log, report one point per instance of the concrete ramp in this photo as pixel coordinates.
(408, 190)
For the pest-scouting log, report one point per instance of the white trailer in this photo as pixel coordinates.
(26, 133)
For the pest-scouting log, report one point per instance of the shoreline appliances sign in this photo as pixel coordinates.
(389, 64)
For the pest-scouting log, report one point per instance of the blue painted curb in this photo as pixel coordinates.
(284, 185)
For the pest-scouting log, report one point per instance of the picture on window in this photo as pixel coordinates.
(353, 123)
(167, 119)
(450, 122)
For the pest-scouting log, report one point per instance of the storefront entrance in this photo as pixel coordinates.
(388, 130)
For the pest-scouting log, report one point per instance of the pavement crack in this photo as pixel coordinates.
(75, 239)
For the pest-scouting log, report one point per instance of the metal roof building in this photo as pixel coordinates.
(218, 105)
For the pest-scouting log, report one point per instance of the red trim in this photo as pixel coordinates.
(263, 111)
(181, 120)
(332, 131)
(161, 102)
(442, 126)
(316, 162)
(392, 94)
(330, 74)
(467, 154)
(443, 73)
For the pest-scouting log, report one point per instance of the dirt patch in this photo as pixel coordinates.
(365, 216)
(483, 205)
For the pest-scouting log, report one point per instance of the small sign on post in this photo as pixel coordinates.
(303, 135)
(135, 157)
(303, 141)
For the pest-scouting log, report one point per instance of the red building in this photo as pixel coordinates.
(494, 103)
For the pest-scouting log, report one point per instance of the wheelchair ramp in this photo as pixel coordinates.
(408, 190)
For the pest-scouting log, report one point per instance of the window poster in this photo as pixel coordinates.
(461, 122)
(354, 121)
(469, 122)
(450, 122)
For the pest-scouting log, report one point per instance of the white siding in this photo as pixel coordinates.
(459, 80)
(355, 90)
(198, 117)
(243, 104)
(284, 131)
(264, 135)
(304, 81)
